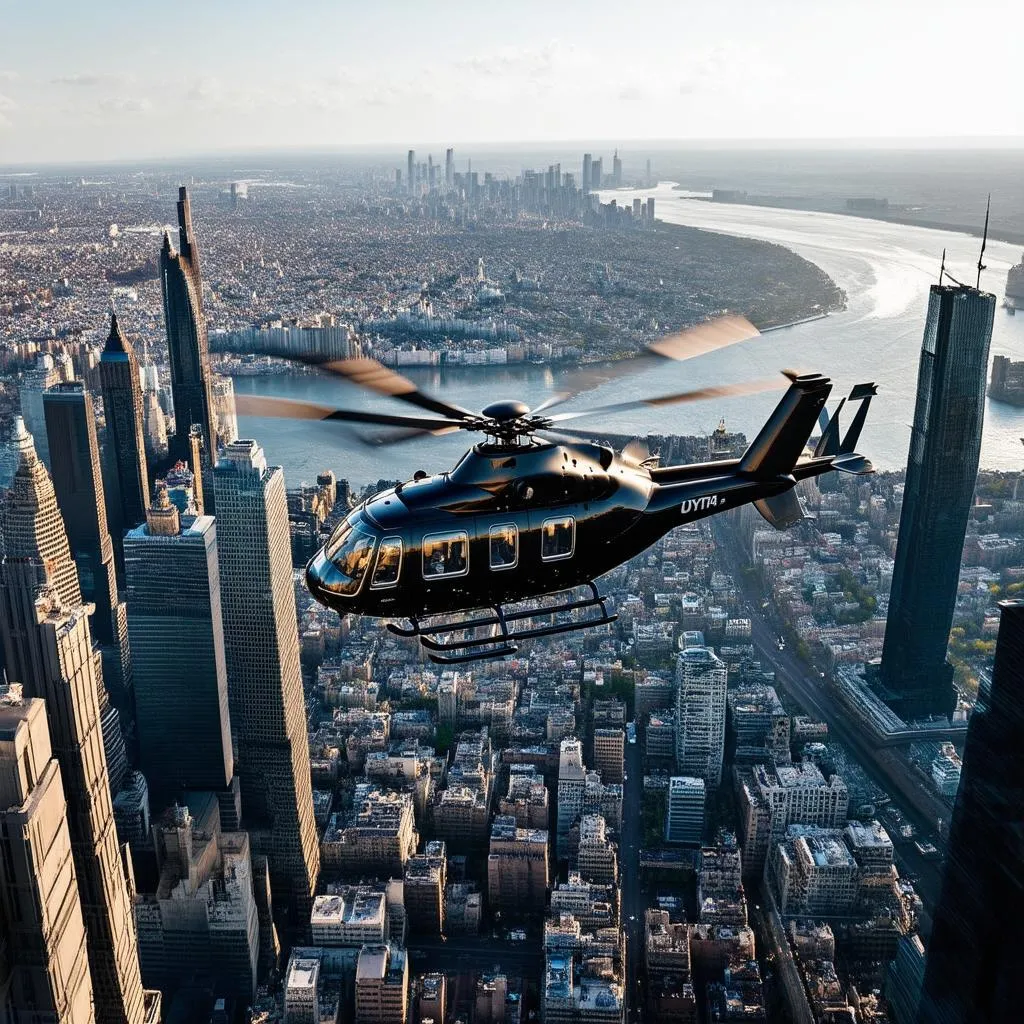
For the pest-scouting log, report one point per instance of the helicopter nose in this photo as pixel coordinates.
(316, 570)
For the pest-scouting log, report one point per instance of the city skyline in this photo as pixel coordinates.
(347, 74)
(695, 808)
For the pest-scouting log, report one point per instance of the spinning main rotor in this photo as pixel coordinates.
(509, 422)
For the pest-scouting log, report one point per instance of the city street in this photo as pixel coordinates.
(795, 678)
(632, 891)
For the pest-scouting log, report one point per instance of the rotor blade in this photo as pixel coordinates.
(259, 405)
(386, 438)
(374, 376)
(697, 395)
(704, 338)
(556, 399)
(688, 343)
(562, 435)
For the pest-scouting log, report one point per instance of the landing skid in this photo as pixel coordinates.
(444, 648)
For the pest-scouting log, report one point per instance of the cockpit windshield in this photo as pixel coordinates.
(349, 551)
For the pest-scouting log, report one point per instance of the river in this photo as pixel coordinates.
(885, 269)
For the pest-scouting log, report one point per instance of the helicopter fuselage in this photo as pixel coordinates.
(510, 522)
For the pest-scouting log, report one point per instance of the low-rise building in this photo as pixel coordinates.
(382, 985)
(517, 868)
(426, 875)
(353, 919)
(377, 838)
(812, 873)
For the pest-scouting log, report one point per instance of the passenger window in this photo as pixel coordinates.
(389, 563)
(445, 554)
(504, 546)
(558, 537)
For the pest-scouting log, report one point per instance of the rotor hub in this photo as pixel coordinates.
(507, 409)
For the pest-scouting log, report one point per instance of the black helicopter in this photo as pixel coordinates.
(475, 556)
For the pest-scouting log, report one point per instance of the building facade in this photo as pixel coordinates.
(684, 821)
(175, 629)
(700, 714)
(945, 445)
(517, 868)
(123, 411)
(187, 345)
(261, 641)
(973, 965)
(40, 907)
(48, 647)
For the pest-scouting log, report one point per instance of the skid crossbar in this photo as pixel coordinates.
(504, 641)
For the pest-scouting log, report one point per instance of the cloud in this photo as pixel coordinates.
(513, 61)
(632, 94)
(125, 105)
(90, 80)
(6, 106)
(8, 76)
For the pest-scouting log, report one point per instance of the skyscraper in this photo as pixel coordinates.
(411, 171)
(78, 485)
(39, 898)
(264, 681)
(174, 624)
(449, 168)
(123, 409)
(49, 649)
(42, 376)
(974, 962)
(616, 170)
(187, 348)
(945, 444)
(586, 172)
(700, 714)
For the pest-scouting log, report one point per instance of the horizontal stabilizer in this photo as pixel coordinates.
(855, 464)
(782, 510)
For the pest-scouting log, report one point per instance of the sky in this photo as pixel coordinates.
(109, 79)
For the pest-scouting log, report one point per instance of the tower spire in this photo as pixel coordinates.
(116, 339)
(942, 266)
(984, 241)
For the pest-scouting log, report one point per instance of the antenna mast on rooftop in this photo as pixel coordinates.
(984, 241)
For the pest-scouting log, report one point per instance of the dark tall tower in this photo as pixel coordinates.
(411, 171)
(974, 961)
(123, 409)
(187, 349)
(78, 484)
(174, 621)
(449, 168)
(945, 444)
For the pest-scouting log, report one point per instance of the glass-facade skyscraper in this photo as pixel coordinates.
(123, 411)
(187, 346)
(261, 640)
(945, 445)
(174, 625)
(974, 960)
